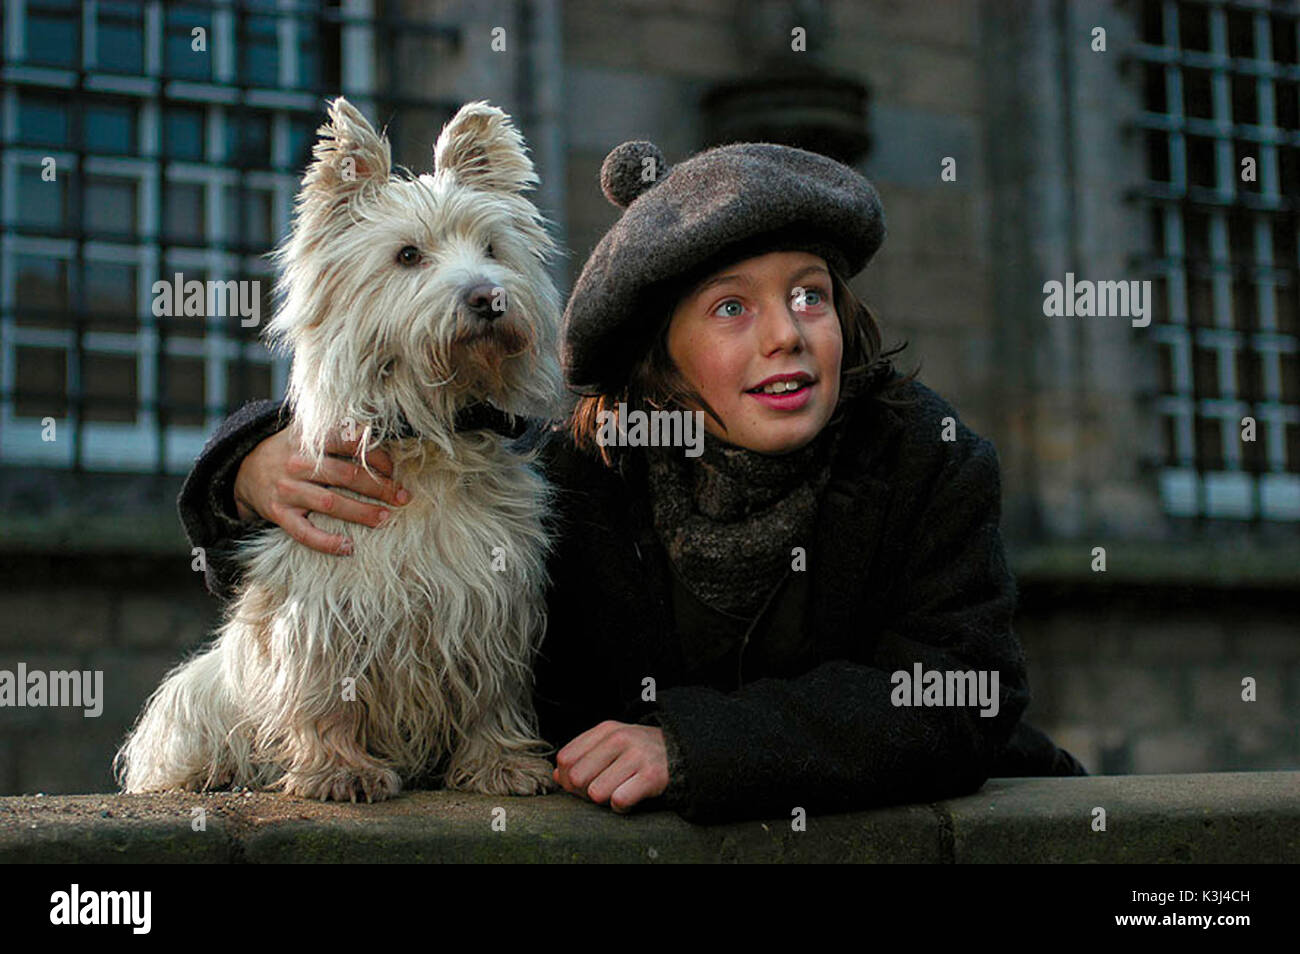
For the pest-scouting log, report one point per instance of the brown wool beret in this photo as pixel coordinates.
(681, 223)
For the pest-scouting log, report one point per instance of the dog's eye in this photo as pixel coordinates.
(387, 368)
(490, 253)
(409, 255)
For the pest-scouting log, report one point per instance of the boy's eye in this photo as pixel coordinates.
(409, 255)
(730, 302)
(808, 297)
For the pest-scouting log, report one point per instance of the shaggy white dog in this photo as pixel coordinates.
(417, 310)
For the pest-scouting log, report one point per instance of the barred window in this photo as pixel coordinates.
(1222, 137)
(145, 140)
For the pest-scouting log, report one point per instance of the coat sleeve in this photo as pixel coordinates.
(831, 739)
(207, 501)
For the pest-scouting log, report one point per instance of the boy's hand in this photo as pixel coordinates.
(615, 762)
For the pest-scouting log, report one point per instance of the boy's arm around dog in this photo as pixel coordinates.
(906, 567)
(206, 501)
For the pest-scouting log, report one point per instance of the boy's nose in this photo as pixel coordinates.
(779, 327)
(486, 301)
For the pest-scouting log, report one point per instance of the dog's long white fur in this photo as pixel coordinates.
(333, 677)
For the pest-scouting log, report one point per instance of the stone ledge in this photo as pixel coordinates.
(1239, 817)
(1227, 563)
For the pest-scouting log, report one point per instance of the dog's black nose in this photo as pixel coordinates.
(486, 301)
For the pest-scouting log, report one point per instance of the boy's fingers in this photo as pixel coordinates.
(350, 474)
(305, 532)
(325, 500)
(379, 460)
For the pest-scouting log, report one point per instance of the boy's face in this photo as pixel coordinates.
(767, 316)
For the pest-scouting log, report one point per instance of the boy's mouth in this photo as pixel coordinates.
(784, 392)
(782, 384)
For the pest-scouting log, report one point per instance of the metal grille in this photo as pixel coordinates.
(1220, 83)
(168, 159)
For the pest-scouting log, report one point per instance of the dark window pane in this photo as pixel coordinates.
(41, 382)
(1249, 382)
(1288, 315)
(259, 54)
(183, 391)
(110, 291)
(110, 128)
(41, 291)
(181, 60)
(1241, 33)
(183, 134)
(1285, 105)
(1290, 378)
(1247, 150)
(178, 324)
(120, 41)
(108, 387)
(1152, 22)
(53, 32)
(41, 204)
(248, 140)
(1241, 237)
(1245, 105)
(1283, 31)
(248, 222)
(1158, 156)
(309, 61)
(1200, 301)
(1198, 97)
(1209, 444)
(111, 206)
(1153, 88)
(1205, 372)
(1193, 26)
(1200, 162)
(246, 381)
(1245, 306)
(42, 121)
(183, 213)
(302, 136)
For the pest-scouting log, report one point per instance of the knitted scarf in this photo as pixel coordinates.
(730, 517)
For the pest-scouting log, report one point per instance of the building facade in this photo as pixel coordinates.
(1145, 151)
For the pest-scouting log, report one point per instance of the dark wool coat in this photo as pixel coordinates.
(905, 566)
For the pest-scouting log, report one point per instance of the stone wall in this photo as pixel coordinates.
(1130, 679)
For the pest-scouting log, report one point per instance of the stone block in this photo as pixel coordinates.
(169, 620)
(1242, 818)
(129, 678)
(55, 615)
(1115, 696)
(1172, 751)
(16, 718)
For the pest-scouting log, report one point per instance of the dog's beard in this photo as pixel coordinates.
(487, 361)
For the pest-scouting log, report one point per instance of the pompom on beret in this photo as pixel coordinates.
(681, 223)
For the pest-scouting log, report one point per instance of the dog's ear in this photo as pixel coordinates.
(480, 147)
(348, 156)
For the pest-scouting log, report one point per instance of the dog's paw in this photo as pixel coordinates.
(344, 784)
(511, 775)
